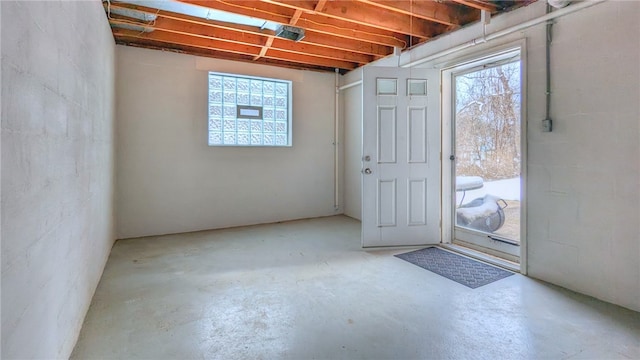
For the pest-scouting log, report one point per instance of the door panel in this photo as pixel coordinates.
(417, 201)
(417, 135)
(387, 124)
(387, 204)
(401, 167)
(487, 166)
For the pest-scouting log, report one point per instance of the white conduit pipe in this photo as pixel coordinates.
(355, 83)
(336, 138)
(525, 25)
(336, 153)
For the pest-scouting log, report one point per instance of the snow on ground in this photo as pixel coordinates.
(507, 189)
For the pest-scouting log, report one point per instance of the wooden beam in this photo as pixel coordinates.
(320, 5)
(196, 30)
(192, 19)
(252, 8)
(189, 24)
(274, 53)
(266, 47)
(364, 14)
(210, 44)
(316, 23)
(344, 44)
(181, 49)
(185, 28)
(309, 49)
(295, 17)
(184, 39)
(351, 33)
(426, 10)
(478, 4)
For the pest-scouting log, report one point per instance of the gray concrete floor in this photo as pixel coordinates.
(306, 290)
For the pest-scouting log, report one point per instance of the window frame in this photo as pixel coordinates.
(289, 111)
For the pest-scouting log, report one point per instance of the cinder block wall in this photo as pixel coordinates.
(170, 181)
(583, 179)
(57, 170)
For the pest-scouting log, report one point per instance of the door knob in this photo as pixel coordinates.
(367, 171)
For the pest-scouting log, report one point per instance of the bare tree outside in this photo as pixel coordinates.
(487, 145)
(488, 122)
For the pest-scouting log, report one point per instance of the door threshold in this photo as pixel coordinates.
(506, 264)
(504, 240)
(397, 247)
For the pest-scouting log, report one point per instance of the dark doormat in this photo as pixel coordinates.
(460, 269)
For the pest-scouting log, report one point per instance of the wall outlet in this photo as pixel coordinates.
(547, 125)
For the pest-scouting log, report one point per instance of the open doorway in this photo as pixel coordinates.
(485, 125)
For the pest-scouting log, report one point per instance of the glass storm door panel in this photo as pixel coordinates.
(488, 158)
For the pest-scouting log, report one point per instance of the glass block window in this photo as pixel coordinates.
(249, 111)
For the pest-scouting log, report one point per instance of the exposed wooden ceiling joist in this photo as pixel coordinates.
(320, 5)
(341, 34)
(265, 47)
(190, 19)
(236, 48)
(283, 14)
(295, 17)
(315, 38)
(269, 42)
(362, 14)
(182, 39)
(478, 4)
(181, 49)
(260, 39)
(441, 13)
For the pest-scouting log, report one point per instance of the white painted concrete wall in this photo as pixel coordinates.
(170, 181)
(351, 116)
(57, 170)
(583, 179)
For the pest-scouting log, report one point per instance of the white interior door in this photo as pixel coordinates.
(401, 157)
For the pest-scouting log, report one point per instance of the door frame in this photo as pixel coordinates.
(447, 109)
